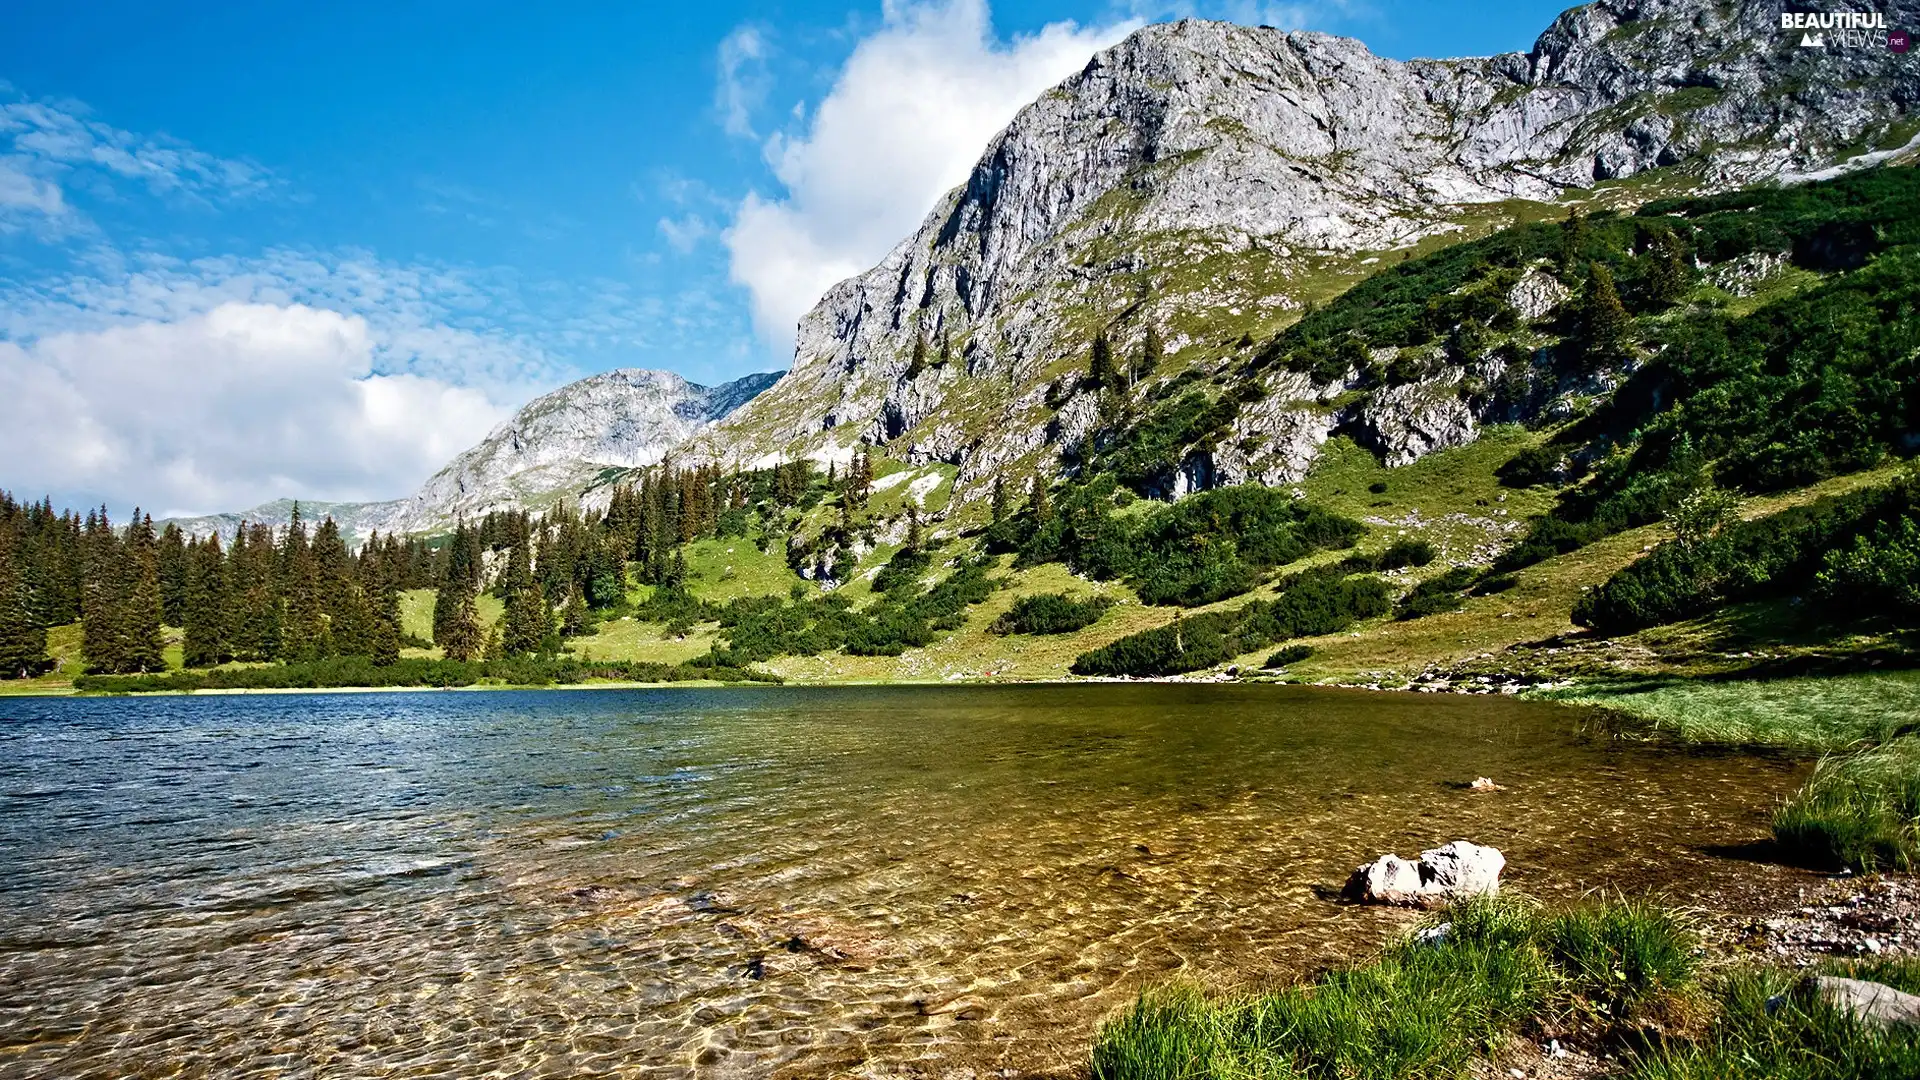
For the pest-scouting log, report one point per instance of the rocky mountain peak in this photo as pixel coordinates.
(1210, 177)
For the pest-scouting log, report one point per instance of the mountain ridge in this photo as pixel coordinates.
(566, 443)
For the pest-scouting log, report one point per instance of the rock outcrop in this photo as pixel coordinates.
(1203, 177)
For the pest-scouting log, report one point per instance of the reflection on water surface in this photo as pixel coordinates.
(748, 882)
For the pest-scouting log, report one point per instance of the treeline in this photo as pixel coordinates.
(297, 595)
(360, 671)
(274, 595)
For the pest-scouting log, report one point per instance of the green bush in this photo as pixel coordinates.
(1406, 553)
(1854, 546)
(1292, 654)
(1050, 613)
(1311, 603)
(1436, 595)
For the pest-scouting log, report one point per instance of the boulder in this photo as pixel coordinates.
(1873, 1004)
(1443, 874)
(1389, 879)
(1462, 869)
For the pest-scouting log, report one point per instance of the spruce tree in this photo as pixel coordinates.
(1039, 504)
(100, 607)
(172, 566)
(914, 538)
(1152, 350)
(208, 608)
(918, 362)
(528, 622)
(1573, 244)
(575, 619)
(463, 638)
(1667, 273)
(1604, 321)
(23, 638)
(1101, 372)
(999, 498)
(384, 646)
(144, 647)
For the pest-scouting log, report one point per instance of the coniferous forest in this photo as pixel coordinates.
(299, 595)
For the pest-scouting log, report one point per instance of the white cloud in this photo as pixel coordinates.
(44, 146)
(224, 410)
(907, 117)
(684, 233)
(743, 80)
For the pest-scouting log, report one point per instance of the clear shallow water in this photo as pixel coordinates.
(750, 882)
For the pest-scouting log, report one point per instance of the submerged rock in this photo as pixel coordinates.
(1444, 873)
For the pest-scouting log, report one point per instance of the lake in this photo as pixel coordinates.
(754, 881)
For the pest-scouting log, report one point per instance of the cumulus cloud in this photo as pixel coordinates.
(224, 410)
(907, 116)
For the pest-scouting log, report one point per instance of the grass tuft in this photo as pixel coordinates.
(1861, 811)
(1425, 1008)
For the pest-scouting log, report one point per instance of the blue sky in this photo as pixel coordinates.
(314, 249)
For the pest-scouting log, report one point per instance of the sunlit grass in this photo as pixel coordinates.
(1422, 1009)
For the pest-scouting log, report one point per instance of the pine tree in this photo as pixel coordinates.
(100, 607)
(999, 498)
(914, 539)
(172, 566)
(575, 619)
(1573, 243)
(1604, 321)
(384, 646)
(528, 621)
(1667, 273)
(918, 362)
(1101, 371)
(1151, 353)
(304, 635)
(1039, 504)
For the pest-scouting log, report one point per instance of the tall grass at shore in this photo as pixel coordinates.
(1831, 713)
(1861, 807)
(1860, 810)
(1427, 1007)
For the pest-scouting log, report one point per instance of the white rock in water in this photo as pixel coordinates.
(1389, 879)
(1462, 868)
(1442, 874)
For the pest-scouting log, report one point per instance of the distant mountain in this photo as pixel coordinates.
(570, 443)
